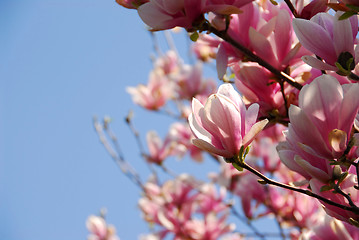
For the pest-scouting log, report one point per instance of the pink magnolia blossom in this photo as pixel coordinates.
(292, 208)
(307, 9)
(158, 150)
(257, 86)
(210, 228)
(99, 230)
(186, 209)
(190, 82)
(320, 127)
(330, 228)
(205, 48)
(167, 14)
(223, 125)
(169, 205)
(239, 30)
(338, 36)
(169, 63)
(251, 193)
(155, 94)
(181, 135)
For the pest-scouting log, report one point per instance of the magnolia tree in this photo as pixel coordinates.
(282, 124)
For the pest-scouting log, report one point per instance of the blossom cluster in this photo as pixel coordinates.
(285, 114)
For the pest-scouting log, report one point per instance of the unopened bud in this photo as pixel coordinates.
(337, 172)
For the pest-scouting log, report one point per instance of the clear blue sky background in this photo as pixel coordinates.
(61, 63)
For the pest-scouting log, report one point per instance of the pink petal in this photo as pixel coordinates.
(349, 107)
(262, 47)
(154, 17)
(282, 36)
(312, 36)
(228, 91)
(287, 158)
(313, 171)
(256, 128)
(197, 130)
(321, 100)
(343, 36)
(221, 61)
(225, 115)
(307, 131)
(318, 64)
(210, 148)
(251, 117)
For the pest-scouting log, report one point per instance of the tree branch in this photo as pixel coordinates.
(253, 57)
(295, 189)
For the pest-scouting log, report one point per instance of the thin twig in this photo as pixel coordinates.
(248, 223)
(281, 232)
(139, 143)
(340, 191)
(284, 98)
(116, 154)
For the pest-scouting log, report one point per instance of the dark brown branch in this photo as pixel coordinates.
(292, 8)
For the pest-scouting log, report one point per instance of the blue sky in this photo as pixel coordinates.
(61, 63)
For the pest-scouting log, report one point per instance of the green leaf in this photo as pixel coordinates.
(342, 71)
(325, 188)
(273, 2)
(350, 63)
(353, 7)
(245, 153)
(342, 177)
(236, 166)
(346, 15)
(232, 76)
(194, 36)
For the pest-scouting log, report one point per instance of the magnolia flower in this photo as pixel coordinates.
(223, 125)
(153, 95)
(307, 9)
(169, 63)
(190, 82)
(330, 228)
(158, 150)
(320, 127)
(329, 38)
(99, 230)
(167, 14)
